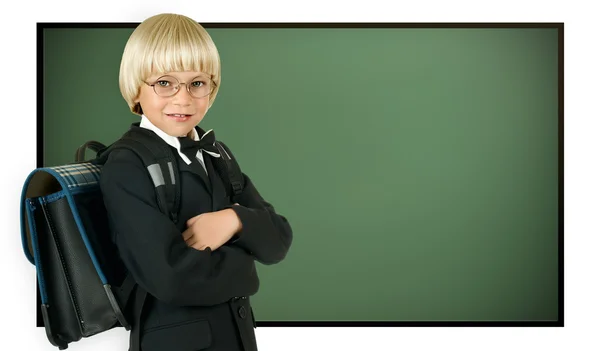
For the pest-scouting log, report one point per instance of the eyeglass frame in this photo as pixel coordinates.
(187, 86)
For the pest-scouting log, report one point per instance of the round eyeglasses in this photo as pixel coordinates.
(168, 86)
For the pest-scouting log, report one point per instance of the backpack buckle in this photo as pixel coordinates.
(237, 187)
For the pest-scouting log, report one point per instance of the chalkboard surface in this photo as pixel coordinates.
(418, 167)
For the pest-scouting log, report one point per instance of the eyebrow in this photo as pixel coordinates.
(203, 76)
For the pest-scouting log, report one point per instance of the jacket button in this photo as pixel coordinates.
(242, 312)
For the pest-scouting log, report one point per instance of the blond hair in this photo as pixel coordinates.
(167, 43)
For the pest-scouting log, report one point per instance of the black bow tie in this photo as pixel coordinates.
(206, 144)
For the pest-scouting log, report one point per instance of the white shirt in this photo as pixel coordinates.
(173, 141)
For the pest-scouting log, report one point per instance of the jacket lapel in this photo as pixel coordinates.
(196, 168)
(218, 190)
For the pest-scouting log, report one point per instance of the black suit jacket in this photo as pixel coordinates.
(197, 300)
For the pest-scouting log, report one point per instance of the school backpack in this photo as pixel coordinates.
(65, 234)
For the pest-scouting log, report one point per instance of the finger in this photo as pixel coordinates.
(190, 239)
(191, 243)
(205, 246)
(195, 248)
(191, 221)
(187, 234)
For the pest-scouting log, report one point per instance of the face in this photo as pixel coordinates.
(175, 115)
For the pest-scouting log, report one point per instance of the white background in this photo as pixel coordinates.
(582, 193)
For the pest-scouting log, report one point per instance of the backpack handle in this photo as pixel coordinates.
(93, 145)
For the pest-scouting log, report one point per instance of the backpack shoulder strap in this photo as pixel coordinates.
(159, 161)
(229, 170)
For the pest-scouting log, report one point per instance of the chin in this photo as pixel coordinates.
(179, 130)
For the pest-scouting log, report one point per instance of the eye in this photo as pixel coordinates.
(197, 84)
(163, 83)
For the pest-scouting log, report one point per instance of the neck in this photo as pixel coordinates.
(190, 134)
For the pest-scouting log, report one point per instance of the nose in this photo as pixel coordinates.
(182, 97)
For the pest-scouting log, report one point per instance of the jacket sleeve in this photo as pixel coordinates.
(265, 234)
(152, 247)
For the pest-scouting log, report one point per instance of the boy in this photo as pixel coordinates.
(198, 272)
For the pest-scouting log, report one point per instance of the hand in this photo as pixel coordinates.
(211, 229)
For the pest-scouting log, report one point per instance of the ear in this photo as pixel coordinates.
(137, 108)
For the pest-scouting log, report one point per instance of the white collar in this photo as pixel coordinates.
(169, 139)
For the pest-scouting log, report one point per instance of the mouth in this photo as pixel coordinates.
(179, 117)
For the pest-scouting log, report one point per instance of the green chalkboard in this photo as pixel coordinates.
(419, 167)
